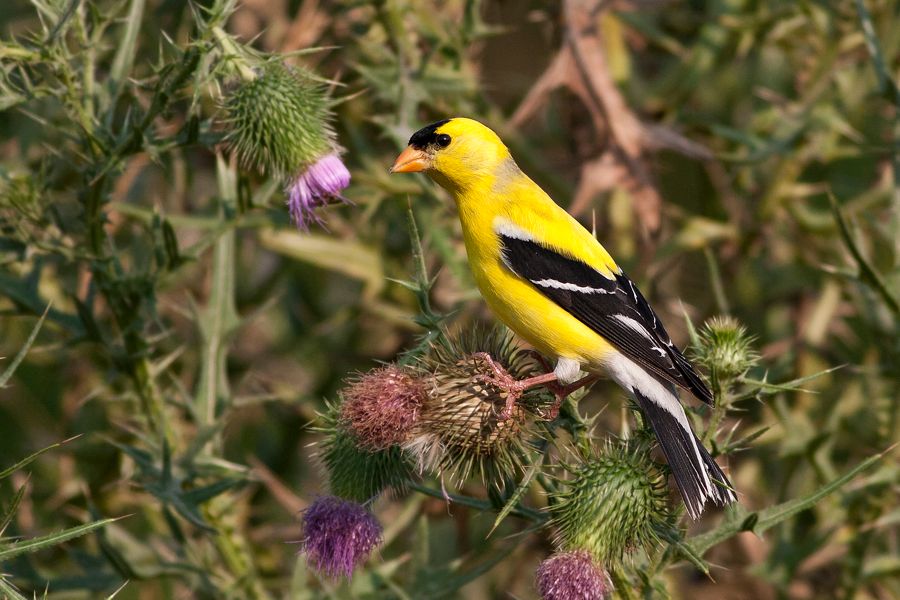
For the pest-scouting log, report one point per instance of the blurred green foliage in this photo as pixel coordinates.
(192, 334)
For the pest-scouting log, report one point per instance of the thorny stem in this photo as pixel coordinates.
(104, 265)
(621, 585)
(722, 402)
(233, 548)
(482, 505)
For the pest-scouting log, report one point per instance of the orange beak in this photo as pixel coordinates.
(411, 160)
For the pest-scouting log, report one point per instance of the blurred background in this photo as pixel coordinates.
(736, 157)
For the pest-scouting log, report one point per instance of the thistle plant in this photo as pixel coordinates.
(338, 535)
(572, 575)
(381, 408)
(191, 336)
(359, 472)
(460, 430)
(612, 504)
(279, 122)
(726, 350)
(441, 410)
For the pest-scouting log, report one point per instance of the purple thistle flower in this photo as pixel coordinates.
(321, 182)
(572, 576)
(382, 407)
(338, 535)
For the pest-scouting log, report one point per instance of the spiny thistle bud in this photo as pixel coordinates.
(725, 349)
(572, 576)
(338, 535)
(460, 427)
(612, 504)
(279, 123)
(356, 473)
(381, 407)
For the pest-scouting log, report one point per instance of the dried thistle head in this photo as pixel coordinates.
(460, 429)
(725, 349)
(381, 407)
(570, 575)
(354, 472)
(612, 503)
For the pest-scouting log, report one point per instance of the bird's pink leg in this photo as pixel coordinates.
(562, 391)
(514, 388)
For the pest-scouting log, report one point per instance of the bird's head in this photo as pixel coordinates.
(456, 153)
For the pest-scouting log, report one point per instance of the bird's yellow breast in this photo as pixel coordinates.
(515, 301)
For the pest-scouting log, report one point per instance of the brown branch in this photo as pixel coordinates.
(580, 65)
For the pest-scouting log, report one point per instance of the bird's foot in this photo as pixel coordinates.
(514, 388)
(502, 380)
(559, 397)
(561, 392)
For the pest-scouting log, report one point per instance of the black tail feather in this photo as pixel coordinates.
(693, 468)
(724, 491)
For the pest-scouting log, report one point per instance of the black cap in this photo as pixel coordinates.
(426, 136)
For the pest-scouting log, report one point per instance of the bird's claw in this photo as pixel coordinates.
(553, 411)
(502, 380)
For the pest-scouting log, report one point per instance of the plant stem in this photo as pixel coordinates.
(483, 505)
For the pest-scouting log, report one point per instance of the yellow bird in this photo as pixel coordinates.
(552, 283)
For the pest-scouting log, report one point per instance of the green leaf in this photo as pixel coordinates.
(207, 492)
(11, 511)
(740, 519)
(28, 459)
(8, 373)
(345, 256)
(518, 493)
(46, 541)
(439, 587)
(877, 567)
(788, 386)
(9, 591)
(867, 273)
(121, 66)
(676, 541)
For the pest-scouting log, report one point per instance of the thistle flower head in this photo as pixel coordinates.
(572, 576)
(338, 535)
(381, 407)
(321, 182)
(460, 429)
(612, 504)
(279, 123)
(357, 473)
(725, 349)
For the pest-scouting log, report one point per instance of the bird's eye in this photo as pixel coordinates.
(443, 140)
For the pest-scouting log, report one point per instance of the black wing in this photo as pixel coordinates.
(614, 308)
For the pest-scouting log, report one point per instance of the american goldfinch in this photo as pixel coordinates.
(552, 283)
